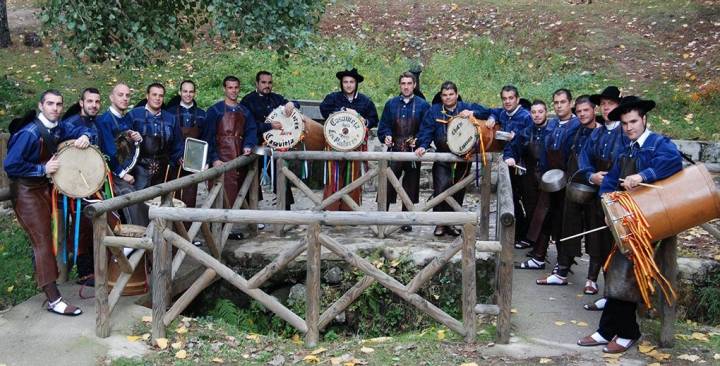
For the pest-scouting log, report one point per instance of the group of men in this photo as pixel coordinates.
(592, 149)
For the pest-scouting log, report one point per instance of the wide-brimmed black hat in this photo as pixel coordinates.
(351, 73)
(629, 103)
(611, 92)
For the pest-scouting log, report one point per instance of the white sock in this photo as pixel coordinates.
(600, 303)
(623, 342)
(598, 338)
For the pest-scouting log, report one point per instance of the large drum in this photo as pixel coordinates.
(137, 284)
(314, 135)
(82, 172)
(463, 135)
(291, 132)
(687, 199)
(344, 131)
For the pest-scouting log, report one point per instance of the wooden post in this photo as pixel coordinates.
(301, 186)
(666, 255)
(344, 301)
(485, 191)
(281, 183)
(469, 290)
(161, 279)
(217, 228)
(313, 286)
(506, 231)
(382, 190)
(102, 305)
(253, 196)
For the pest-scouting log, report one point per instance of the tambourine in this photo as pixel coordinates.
(81, 173)
(344, 131)
(291, 132)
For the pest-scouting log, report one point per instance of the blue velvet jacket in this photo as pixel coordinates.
(602, 144)
(337, 101)
(261, 105)
(162, 124)
(188, 117)
(558, 137)
(23, 155)
(432, 130)
(396, 109)
(515, 123)
(111, 127)
(518, 147)
(215, 115)
(658, 158)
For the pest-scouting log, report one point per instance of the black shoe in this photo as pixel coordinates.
(406, 228)
(452, 230)
(197, 243)
(439, 230)
(236, 236)
(87, 280)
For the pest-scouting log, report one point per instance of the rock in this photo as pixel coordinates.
(298, 293)
(340, 318)
(32, 39)
(333, 276)
(692, 148)
(711, 153)
(695, 269)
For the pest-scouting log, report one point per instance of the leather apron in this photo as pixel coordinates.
(404, 132)
(540, 222)
(229, 144)
(576, 216)
(33, 207)
(190, 129)
(599, 244)
(153, 155)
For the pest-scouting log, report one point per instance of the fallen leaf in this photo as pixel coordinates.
(146, 336)
(10, 289)
(716, 356)
(645, 347)
(311, 359)
(660, 356)
(441, 334)
(162, 343)
(612, 355)
(545, 360)
(318, 351)
(559, 323)
(469, 364)
(691, 358)
(296, 339)
(654, 364)
(513, 311)
(377, 340)
(218, 360)
(277, 360)
(181, 330)
(367, 350)
(336, 361)
(181, 354)
(133, 338)
(177, 345)
(700, 337)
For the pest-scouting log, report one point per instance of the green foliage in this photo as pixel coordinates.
(17, 282)
(254, 318)
(707, 307)
(135, 31)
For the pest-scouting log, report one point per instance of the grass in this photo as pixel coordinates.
(17, 283)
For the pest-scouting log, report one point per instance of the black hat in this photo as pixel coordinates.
(20, 122)
(629, 103)
(611, 92)
(351, 73)
(526, 104)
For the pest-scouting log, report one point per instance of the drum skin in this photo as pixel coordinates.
(344, 131)
(82, 172)
(314, 136)
(688, 199)
(458, 131)
(292, 129)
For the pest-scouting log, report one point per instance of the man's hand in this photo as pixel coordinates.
(631, 181)
(247, 151)
(466, 113)
(83, 142)
(388, 140)
(512, 135)
(289, 109)
(490, 123)
(510, 162)
(52, 166)
(276, 125)
(420, 151)
(128, 178)
(217, 163)
(134, 135)
(351, 110)
(597, 178)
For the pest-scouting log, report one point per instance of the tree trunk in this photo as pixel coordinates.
(4, 30)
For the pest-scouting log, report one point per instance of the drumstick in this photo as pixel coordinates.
(84, 180)
(521, 168)
(584, 232)
(646, 185)
(167, 171)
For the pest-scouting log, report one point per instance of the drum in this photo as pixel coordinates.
(291, 132)
(463, 134)
(314, 135)
(687, 199)
(136, 285)
(344, 131)
(82, 172)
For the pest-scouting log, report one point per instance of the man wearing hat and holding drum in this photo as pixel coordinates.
(434, 129)
(350, 100)
(398, 129)
(596, 159)
(647, 158)
(28, 164)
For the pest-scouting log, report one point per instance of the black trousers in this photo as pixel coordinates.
(443, 178)
(521, 216)
(410, 171)
(618, 319)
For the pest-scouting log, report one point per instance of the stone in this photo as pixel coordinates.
(695, 269)
(711, 153)
(32, 39)
(298, 293)
(333, 275)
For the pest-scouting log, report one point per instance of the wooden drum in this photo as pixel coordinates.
(137, 284)
(463, 136)
(82, 172)
(344, 131)
(687, 199)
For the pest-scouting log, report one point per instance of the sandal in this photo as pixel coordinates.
(552, 280)
(61, 307)
(589, 341)
(522, 244)
(591, 287)
(594, 306)
(531, 263)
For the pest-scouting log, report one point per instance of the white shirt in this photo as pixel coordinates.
(187, 106)
(641, 140)
(151, 112)
(612, 125)
(115, 112)
(510, 114)
(46, 122)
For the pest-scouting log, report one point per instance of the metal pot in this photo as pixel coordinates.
(553, 180)
(580, 193)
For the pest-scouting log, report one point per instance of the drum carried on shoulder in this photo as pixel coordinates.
(295, 128)
(82, 172)
(345, 131)
(466, 135)
(686, 199)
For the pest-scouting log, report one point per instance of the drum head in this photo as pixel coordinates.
(614, 214)
(289, 135)
(462, 135)
(156, 202)
(344, 131)
(82, 172)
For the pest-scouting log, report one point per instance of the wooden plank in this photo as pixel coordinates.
(484, 208)
(506, 235)
(392, 284)
(469, 286)
(210, 240)
(366, 156)
(253, 193)
(122, 260)
(395, 182)
(312, 283)
(308, 217)
(344, 301)
(161, 276)
(238, 281)
(280, 183)
(227, 228)
(666, 255)
(434, 266)
(123, 279)
(102, 306)
(277, 264)
(453, 203)
(207, 278)
(357, 183)
(316, 199)
(382, 190)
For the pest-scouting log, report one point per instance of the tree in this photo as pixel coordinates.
(5, 41)
(134, 31)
